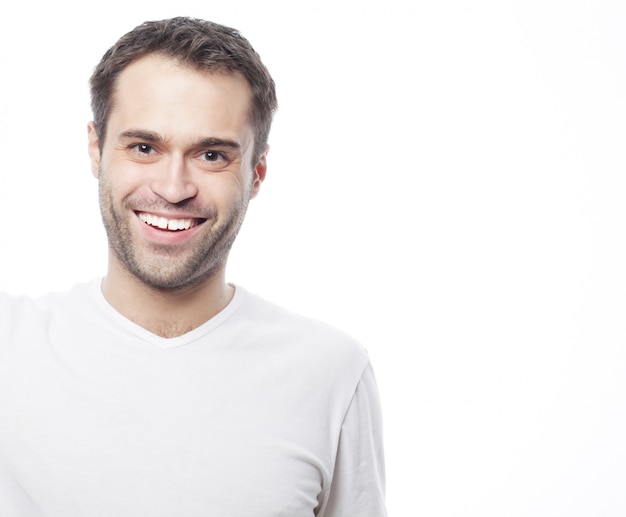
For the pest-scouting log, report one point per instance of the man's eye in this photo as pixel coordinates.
(212, 156)
(143, 148)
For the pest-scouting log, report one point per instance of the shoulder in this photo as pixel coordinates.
(21, 319)
(20, 310)
(19, 314)
(295, 334)
(13, 308)
(277, 320)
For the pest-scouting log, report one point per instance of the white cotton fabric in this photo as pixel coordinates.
(257, 413)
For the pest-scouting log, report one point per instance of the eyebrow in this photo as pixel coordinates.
(149, 136)
(218, 142)
(140, 135)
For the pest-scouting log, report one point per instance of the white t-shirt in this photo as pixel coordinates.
(257, 413)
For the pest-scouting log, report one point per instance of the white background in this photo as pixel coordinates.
(446, 183)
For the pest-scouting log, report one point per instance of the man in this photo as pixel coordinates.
(162, 390)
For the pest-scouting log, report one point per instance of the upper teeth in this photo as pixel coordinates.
(166, 224)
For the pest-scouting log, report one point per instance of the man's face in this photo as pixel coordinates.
(175, 172)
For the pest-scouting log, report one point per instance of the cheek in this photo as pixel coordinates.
(122, 181)
(226, 189)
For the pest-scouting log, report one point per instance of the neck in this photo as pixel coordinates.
(166, 313)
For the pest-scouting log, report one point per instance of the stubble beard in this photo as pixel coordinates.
(163, 267)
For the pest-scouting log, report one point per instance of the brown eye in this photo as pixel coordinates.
(142, 148)
(213, 160)
(212, 156)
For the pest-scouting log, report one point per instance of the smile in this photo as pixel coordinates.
(164, 223)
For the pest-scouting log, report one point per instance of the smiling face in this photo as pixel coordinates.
(175, 171)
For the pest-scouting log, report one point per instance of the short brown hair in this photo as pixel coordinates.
(200, 44)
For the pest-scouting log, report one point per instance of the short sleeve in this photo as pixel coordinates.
(358, 483)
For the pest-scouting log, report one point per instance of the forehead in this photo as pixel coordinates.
(159, 90)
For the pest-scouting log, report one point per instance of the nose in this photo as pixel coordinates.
(174, 182)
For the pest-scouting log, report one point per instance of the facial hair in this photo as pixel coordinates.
(165, 267)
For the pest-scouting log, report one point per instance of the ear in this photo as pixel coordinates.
(93, 149)
(259, 173)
